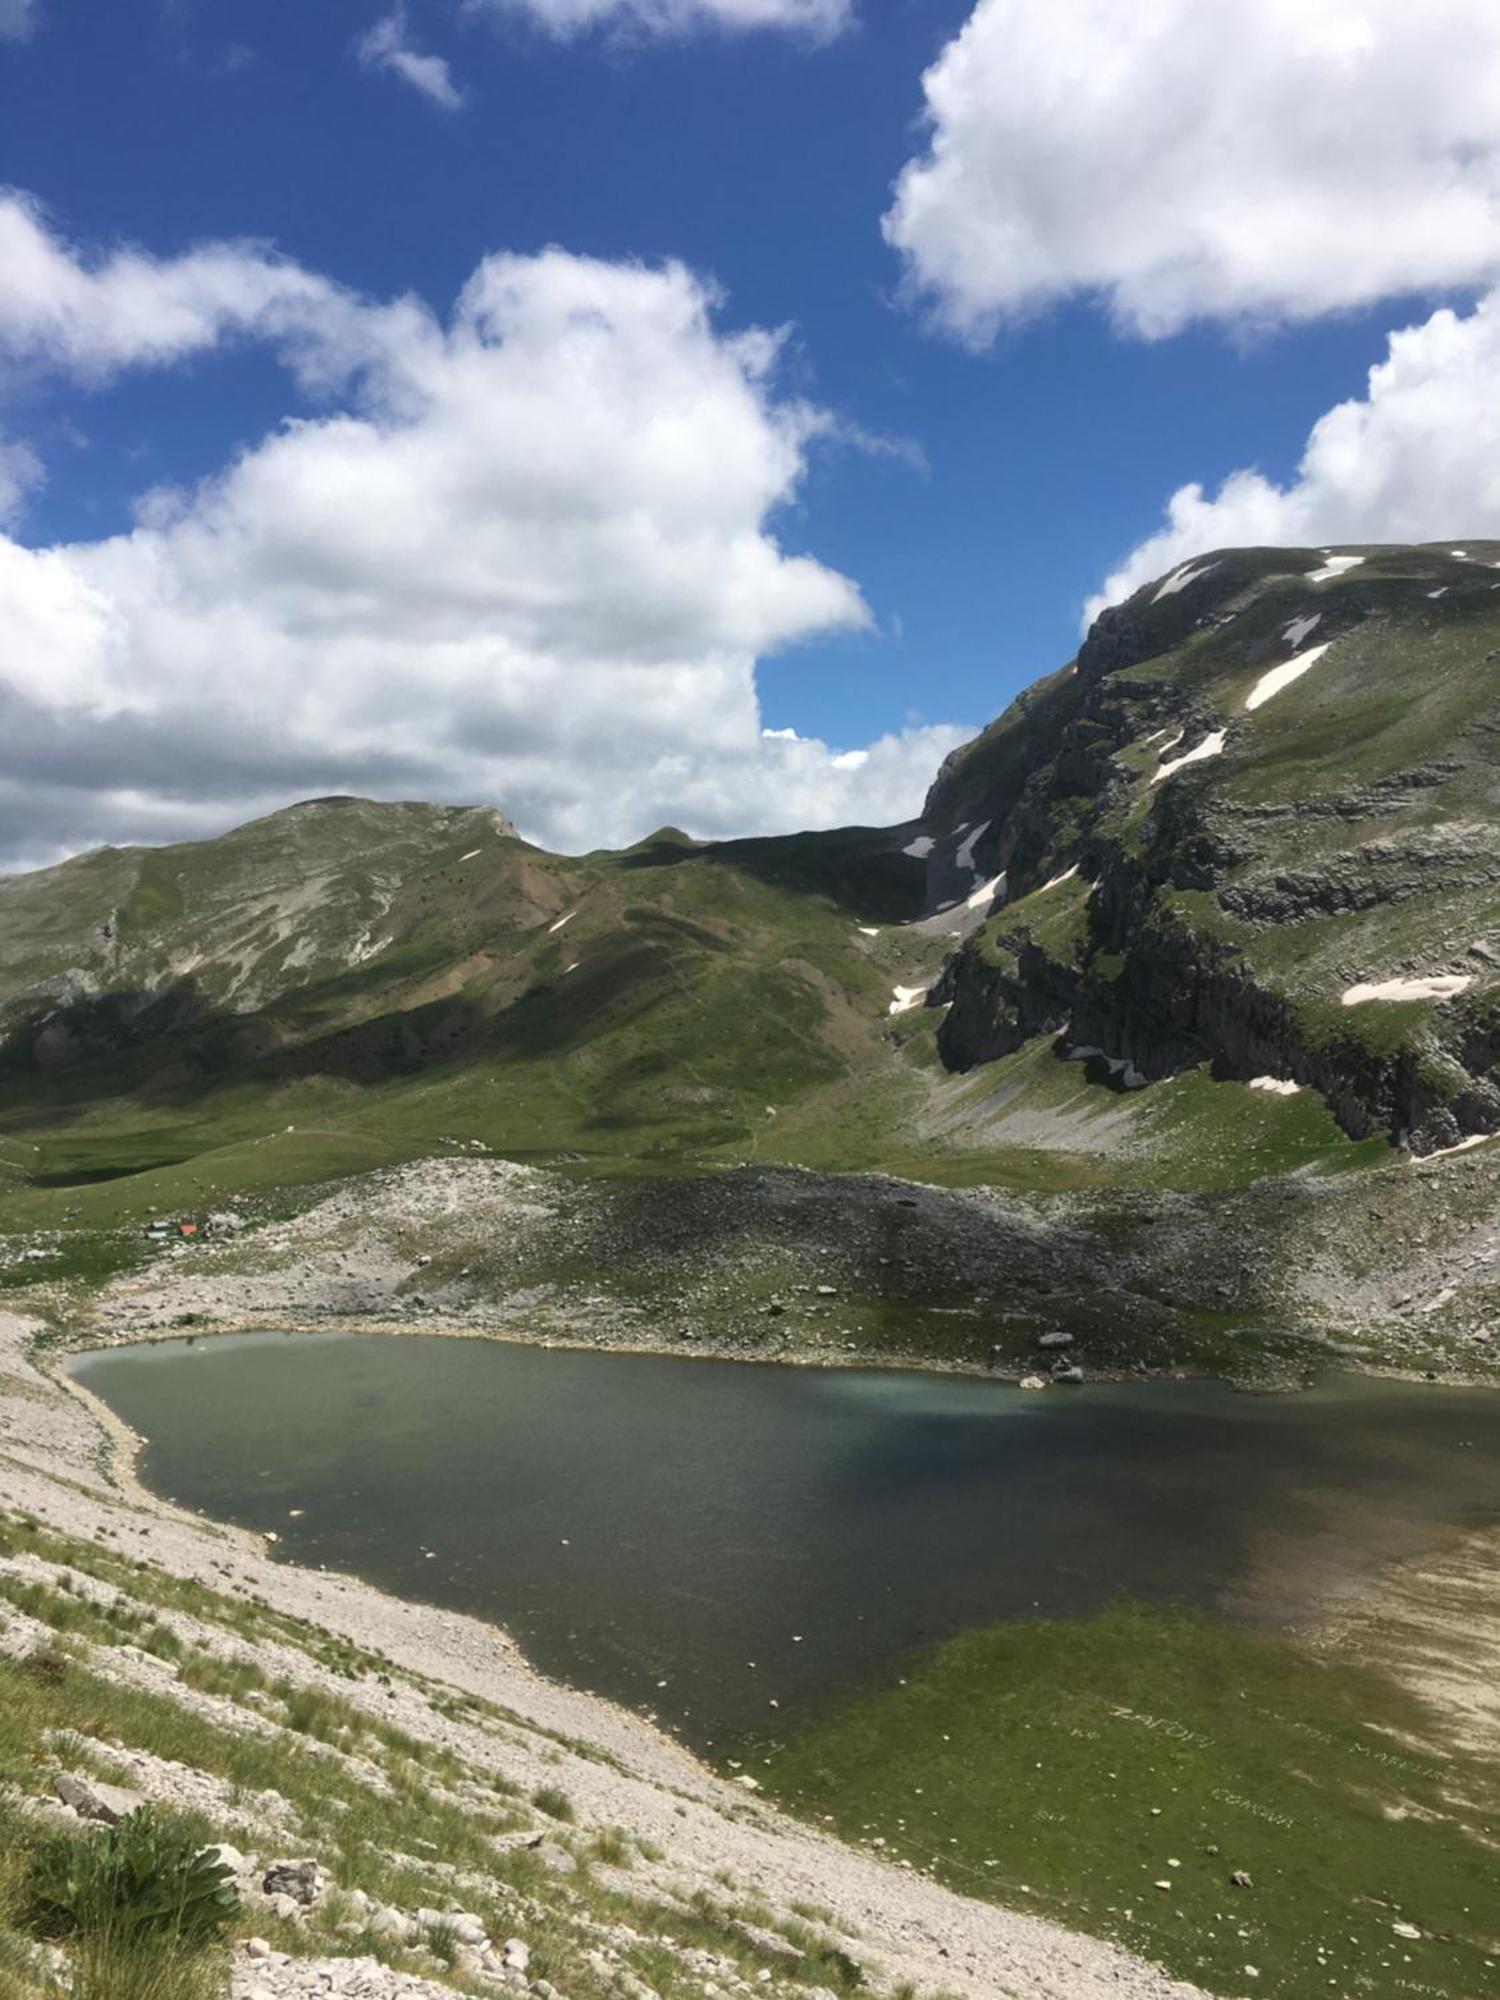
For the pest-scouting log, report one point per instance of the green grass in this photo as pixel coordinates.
(1208, 1135)
(554, 1803)
(1067, 1767)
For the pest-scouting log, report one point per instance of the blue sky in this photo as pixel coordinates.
(989, 477)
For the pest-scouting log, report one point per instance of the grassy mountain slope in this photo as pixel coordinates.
(408, 972)
(1113, 940)
(1337, 830)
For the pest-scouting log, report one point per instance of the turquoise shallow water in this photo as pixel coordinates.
(749, 1534)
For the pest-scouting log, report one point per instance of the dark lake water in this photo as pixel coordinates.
(747, 1534)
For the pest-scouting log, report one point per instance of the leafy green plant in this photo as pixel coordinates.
(148, 1876)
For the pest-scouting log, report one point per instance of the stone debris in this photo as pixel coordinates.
(278, 1977)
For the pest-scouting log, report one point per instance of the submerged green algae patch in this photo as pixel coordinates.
(1122, 1773)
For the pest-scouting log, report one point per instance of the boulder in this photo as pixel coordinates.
(389, 1923)
(301, 1880)
(91, 1798)
(465, 1929)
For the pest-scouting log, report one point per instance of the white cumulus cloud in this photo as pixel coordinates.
(526, 554)
(388, 46)
(1414, 459)
(813, 20)
(93, 316)
(1266, 161)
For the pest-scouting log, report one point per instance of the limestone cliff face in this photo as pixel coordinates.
(1247, 859)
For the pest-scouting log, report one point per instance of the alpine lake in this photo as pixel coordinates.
(1066, 1649)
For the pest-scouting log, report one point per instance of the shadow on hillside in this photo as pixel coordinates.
(173, 1045)
(860, 868)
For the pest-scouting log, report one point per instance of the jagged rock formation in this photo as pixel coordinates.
(1277, 786)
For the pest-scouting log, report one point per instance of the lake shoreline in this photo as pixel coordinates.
(795, 1267)
(72, 1467)
(83, 1339)
(251, 1438)
(1361, 1629)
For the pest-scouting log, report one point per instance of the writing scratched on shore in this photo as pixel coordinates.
(1163, 1725)
(1266, 1813)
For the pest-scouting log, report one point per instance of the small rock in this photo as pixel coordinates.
(1046, 1340)
(90, 1798)
(557, 1860)
(229, 1857)
(257, 1948)
(516, 1955)
(301, 1880)
(1241, 1880)
(1406, 1931)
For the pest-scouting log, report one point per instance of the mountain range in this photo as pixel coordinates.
(1210, 914)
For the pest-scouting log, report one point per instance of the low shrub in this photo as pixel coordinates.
(148, 1877)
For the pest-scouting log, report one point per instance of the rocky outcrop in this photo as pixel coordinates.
(1116, 639)
(995, 1008)
(1154, 993)
(1355, 802)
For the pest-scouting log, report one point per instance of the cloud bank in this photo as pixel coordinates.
(524, 554)
(1269, 161)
